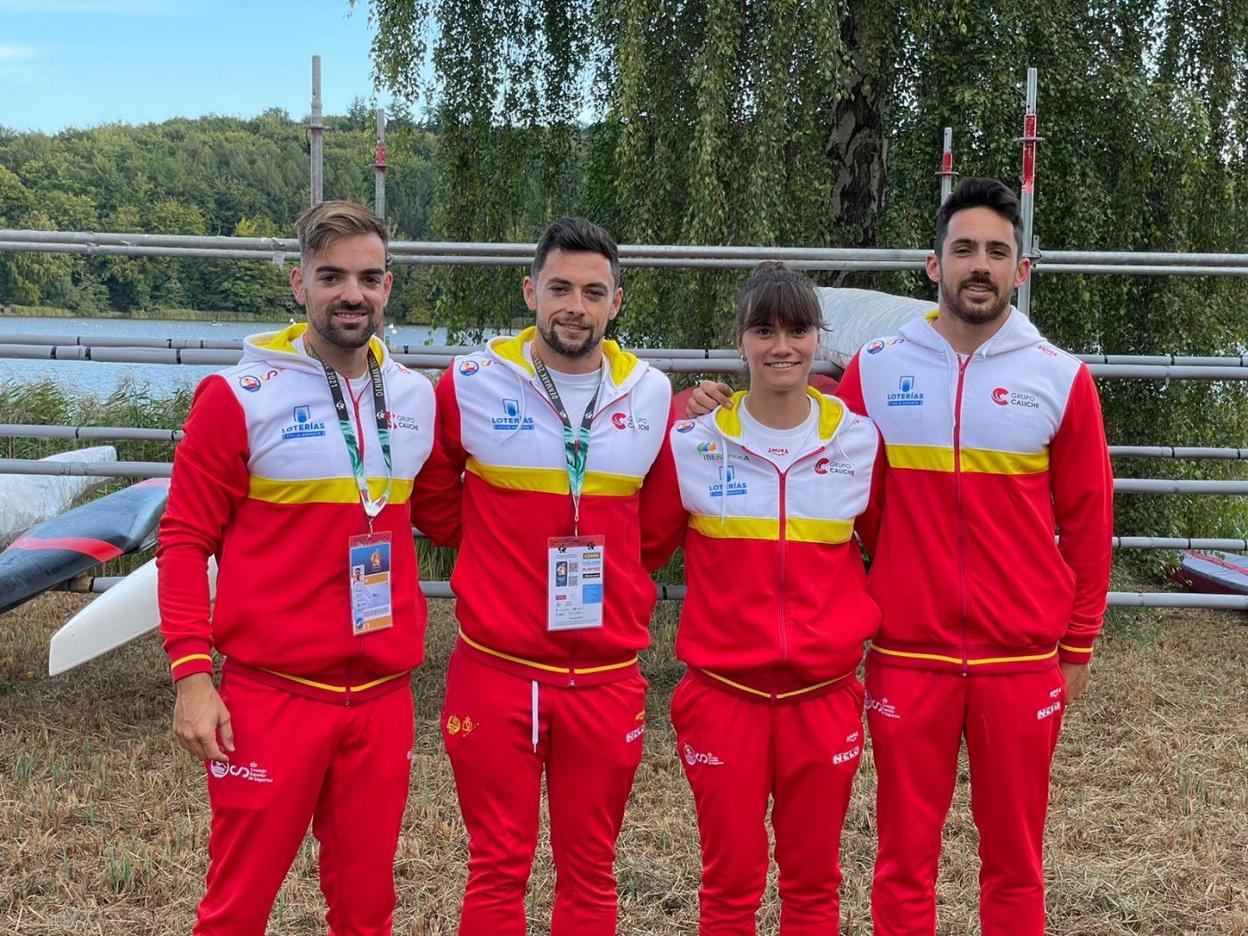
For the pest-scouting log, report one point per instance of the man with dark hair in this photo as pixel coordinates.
(556, 430)
(315, 453)
(995, 443)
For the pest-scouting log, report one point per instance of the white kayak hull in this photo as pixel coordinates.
(124, 612)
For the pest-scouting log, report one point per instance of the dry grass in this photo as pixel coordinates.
(103, 821)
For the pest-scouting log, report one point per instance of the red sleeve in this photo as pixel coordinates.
(210, 479)
(1083, 503)
(867, 526)
(850, 388)
(663, 516)
(436, 495)
(824, 383)
(449, 435)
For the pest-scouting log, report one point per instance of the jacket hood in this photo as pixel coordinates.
(1016, 333)
(831, 415)
(624, 369)
(277, 349)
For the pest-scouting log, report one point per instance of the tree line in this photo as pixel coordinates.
(207, 175)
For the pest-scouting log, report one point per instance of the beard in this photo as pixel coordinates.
(565, 348)
(970, 312)
(329, 329)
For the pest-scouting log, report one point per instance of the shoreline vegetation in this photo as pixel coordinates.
(164, 315)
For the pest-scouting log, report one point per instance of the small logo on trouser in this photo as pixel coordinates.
(883, 706)
(693, 758)
(253, 772)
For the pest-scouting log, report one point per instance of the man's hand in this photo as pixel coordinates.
(198, 715)
(1077, 677)
(706, 396)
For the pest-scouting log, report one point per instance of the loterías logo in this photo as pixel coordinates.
(1001, 396)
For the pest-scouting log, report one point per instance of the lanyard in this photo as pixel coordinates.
(371, 507)
(575, 445)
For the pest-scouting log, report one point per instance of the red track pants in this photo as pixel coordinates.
(298, 760)
(918, 719)
(739, 753)
(500, 731)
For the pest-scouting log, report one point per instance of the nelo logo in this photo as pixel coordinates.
(1001, 396)
(821, 466)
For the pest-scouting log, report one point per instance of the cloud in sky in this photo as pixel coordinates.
(16, 53)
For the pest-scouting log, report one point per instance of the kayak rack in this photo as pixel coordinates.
(100, 583)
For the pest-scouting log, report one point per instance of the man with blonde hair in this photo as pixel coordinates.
(316, 453)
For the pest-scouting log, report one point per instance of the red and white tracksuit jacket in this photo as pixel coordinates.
(522, 700)
(989, 456)
(798, 620)
(263, 481)
(496, 421)
(775, 616)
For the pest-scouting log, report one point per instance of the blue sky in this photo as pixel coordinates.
(80, 63)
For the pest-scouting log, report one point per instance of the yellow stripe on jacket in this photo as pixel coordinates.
(796, 529)
(552, 480)
(980, 461)
(323, 490)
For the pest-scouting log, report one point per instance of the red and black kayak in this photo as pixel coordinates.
(1213, 572)
(80, 539)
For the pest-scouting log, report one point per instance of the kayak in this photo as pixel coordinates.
(1213, 572)
(126, 611)
(29, 499)
(58, 549)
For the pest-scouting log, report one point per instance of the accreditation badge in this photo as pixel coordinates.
(368, 570)
(575, 566)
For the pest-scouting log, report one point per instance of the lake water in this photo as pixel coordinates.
(101, 379)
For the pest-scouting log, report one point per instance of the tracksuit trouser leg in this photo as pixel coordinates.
(297, 761)
(501, 731)
(738, 754)
(917, 720)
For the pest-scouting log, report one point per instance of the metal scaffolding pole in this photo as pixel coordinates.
(379, 166)
(1179, 542)
(89, 433)
(436, 589)
(113, 469)
(1029, 140)
(316, 129)
(946, 167)
(1175, 451)
(1173, 486)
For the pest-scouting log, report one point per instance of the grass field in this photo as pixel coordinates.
(103, 821)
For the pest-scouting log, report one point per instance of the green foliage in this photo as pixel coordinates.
(212, 175)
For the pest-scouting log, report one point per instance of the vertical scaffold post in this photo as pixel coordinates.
(379, 166)
(946, 167)
(316, 128)
(1029, 141)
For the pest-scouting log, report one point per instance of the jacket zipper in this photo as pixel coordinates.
(782, 541)
(960, 518)
(576, 637)
(359, 435)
